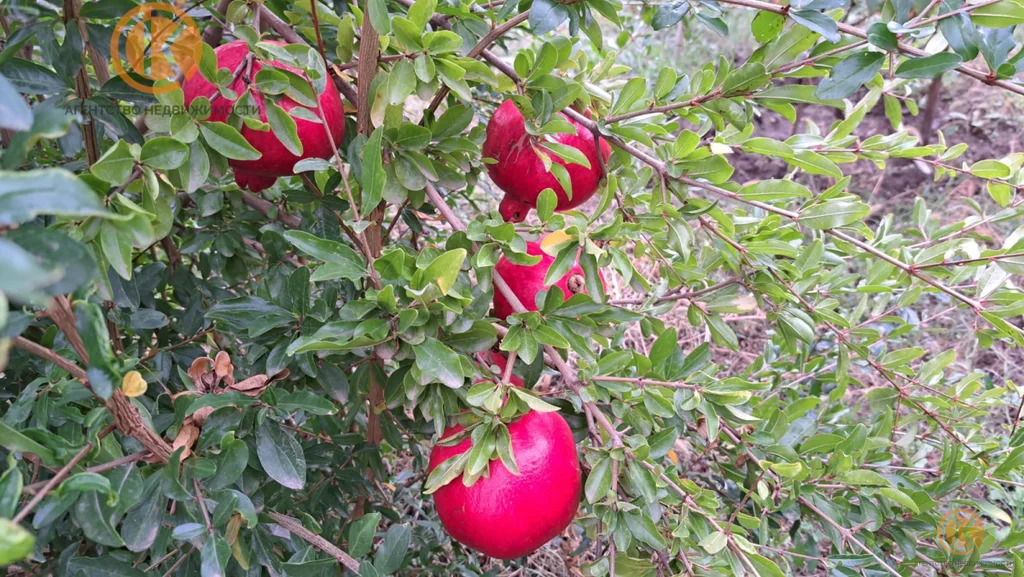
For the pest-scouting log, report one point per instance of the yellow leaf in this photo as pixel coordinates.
(133, 385)
(551, 243)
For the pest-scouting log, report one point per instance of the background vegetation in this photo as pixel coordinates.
(805, 357)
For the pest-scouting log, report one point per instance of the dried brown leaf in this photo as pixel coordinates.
(186, 438)
(224, 369)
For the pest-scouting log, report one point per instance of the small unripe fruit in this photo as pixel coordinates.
(520, 172)
(527, 281)
(276, 159)
(507, 516)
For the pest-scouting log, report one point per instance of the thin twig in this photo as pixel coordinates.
(294, 527)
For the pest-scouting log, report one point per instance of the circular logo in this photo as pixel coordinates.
(160, 42)
(960, 531)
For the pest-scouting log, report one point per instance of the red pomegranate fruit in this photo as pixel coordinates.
(527, 281)
(496, 358)
(520, 172)
(276, 159)
(507, 516)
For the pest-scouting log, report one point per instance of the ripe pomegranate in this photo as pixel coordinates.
(507, 516)
(277, 160)
(496, 358)
(520, 171)
(527, 281)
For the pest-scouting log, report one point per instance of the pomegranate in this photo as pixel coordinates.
(507, 516)
(496, 358)
(520, 172)
(527, 281)
(276, 159)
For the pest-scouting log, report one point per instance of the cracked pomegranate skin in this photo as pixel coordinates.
(507, 516)
(276, 160)
(520, 171)
(527, 281)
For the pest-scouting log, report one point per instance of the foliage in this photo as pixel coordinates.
(202, 381)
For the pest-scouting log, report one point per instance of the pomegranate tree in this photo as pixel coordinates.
(276, 159)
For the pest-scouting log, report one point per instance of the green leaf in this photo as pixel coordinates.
(644, 529)
(503, 446)
(546, 15)
(360, 534)
(598, 481)
(323, 249)
(373, 175)
(879, 35)
(772, 190)
(834, 214)
(929, 66)
(900, 497)
(116, 165)
(231, 463)
(14, 111)
(213, 556)
(66, 261)
(849, 75)
(444, 270)
(49, 191)
(393, 549)
(446, 472)
(163, 153)
(401, 82)
(15, 543)
(1000, 14)
(32, 78)
(95, 521)
(83, 482)
(14, 441)
(817, 22)
(633, 91)
(669, 14)
(11, 484)
(227, 141)
(534, 402)
(283, 126)
(990, 169)
(546, 204)
(105, 566)
(438, 363)
(379, 18)
(767, 26)
(142, 523)
(899, 357)
(714, 542)
(281, 455)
